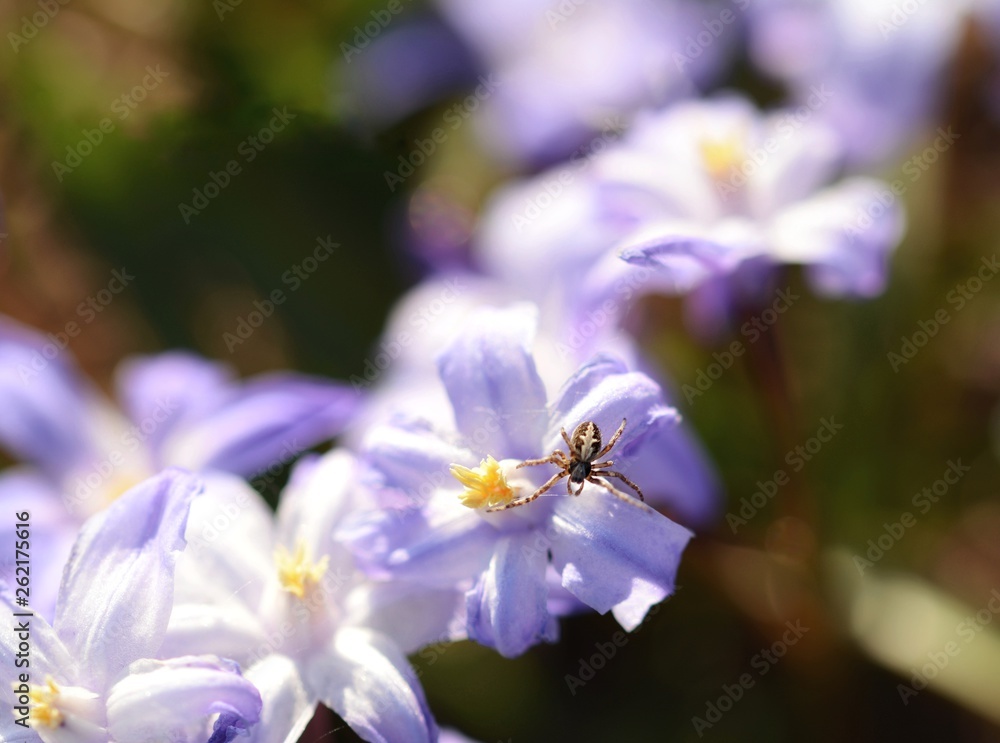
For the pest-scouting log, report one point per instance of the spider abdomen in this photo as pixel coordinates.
(586, 441)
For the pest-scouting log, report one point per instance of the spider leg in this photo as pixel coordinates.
(605, 465)
(556, 457)
(579, 489)
(616, 493)
(620, 476)
(614, 440)
(552, 481)
(569, 444)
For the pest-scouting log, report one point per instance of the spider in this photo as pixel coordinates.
(579, 465)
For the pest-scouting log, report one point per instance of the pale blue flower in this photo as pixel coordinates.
(700, 198)
(93, 675)
(610, 554)
(176, 409)
(549, 77)
(282, 597)
(885, 62)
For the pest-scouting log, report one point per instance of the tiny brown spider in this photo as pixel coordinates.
(579, 465)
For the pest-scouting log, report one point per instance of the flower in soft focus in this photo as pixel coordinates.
(718, 185)
(565, 69)
(703, 197)
(176, 410)
(609, 554)
(93, 674)
(282, 598)
(554, 73)
(885, 63)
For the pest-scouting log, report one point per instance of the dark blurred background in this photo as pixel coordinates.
(74, 214)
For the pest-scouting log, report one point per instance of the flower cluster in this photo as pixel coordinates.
(176, 581)
(520, 460)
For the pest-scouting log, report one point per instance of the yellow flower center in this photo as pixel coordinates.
(45, 710)
(296, 571)
(486, 485)
(722, 154)
(118, 486)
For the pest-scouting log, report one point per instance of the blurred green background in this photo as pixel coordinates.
(228, 66)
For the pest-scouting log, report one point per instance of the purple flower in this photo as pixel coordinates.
(563, 69)
(698, 193)
(176, 410)
(553, 74)
(883, 61)
(282, 598)
(723, 186)
(414, 62)
(93, 675)
(611, 553)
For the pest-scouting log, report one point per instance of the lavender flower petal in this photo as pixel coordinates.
(615, 554)
(117, 588)
(365, 679)
(507, 608)
(160, 699)
(493, 385)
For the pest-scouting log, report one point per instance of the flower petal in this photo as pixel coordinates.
(227, 628)
(845, 235)
(507, 608)
(673, 470)
(441, 546)
(411, 615)
(11, 731)
(797, 163)
(584, 379)
(45, 401)
(265, 422)
(410, 457)
(174, 699)
(494, 388)
(230, 536)
(177, 383)
(226, 728)
(288, 707)
(117, 588)
(366, 680)
(688, 254)
(615, 554)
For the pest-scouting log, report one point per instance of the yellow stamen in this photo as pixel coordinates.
(296, 572)
(722, 154)
(45, 710)
(484, 486)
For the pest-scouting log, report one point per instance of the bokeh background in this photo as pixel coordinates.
(224, 67)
